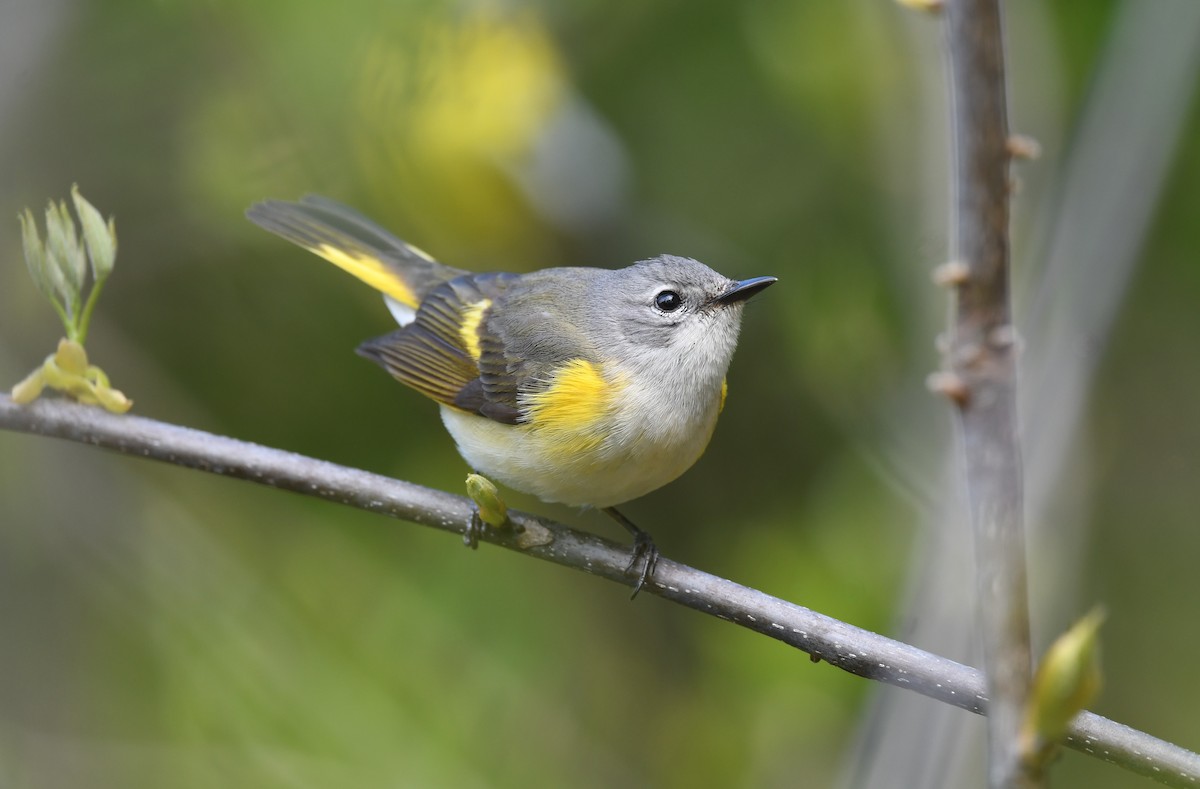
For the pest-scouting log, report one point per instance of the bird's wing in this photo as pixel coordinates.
(484, 344)
(441, 353)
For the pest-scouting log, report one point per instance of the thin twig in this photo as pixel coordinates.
(981, 361)
(849, 648)
(1092, 214)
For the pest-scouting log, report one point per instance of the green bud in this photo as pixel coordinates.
(492, 509)
(100, 238)
(65, 255)
(35, 256)
(1067, 681)
(59, 268)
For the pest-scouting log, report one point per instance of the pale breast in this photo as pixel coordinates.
(647, 448)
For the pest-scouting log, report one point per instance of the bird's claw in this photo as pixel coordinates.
(646, 551)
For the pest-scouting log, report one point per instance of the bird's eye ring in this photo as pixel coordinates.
(668, 301)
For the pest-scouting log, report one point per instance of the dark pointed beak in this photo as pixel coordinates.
(745, 289)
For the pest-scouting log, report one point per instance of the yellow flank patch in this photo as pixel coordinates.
(574, 406)
(472, 316)
(724, 394)
(370, 270)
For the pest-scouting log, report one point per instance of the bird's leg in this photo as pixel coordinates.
(474, 529)
(643, 548)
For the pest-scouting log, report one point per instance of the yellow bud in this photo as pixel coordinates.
(1067, 681)
(71, 358)
(30, 388)
(96, 375)
(492, 509)
(112, 399)
(55, 376)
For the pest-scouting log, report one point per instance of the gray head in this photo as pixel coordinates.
(675, 314)
(670, 301)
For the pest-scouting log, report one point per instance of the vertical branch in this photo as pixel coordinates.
(982, 380)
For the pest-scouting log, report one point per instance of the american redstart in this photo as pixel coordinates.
(584, 386)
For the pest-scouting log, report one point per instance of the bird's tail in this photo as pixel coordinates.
(354, 243)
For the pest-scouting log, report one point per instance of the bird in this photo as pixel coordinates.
(584, 386)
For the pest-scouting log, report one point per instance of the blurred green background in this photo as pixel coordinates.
(160, 627)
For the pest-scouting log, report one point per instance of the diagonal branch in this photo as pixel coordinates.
(849, 648)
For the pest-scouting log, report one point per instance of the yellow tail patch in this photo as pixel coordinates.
(370, 270)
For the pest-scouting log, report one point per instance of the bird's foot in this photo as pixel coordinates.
(644, 550)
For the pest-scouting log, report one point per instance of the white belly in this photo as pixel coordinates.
(630, 463)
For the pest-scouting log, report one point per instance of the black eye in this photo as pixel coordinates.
(668, 301)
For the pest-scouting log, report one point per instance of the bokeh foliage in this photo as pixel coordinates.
(161, 628)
